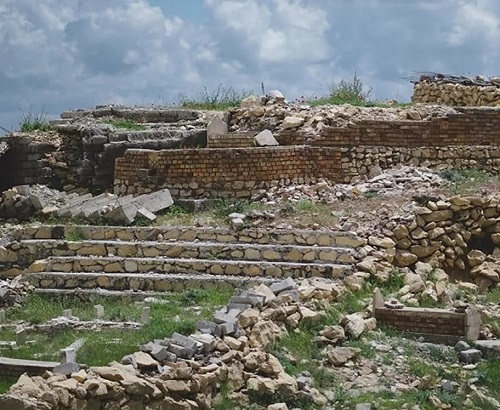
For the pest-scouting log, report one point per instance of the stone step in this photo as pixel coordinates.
(31, 249)
(189, 266)
(147, 282)
(190, 234)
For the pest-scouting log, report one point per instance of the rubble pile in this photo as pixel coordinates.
(185, 372)
(13, 292)
(260, 113)
(23, 202)
(388, 183)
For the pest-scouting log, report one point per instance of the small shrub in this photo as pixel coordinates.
(74, 235)
(371, 193)
(193, 297)
(419, 368)
(31, 121)
(350, 91)
(222, 98)
(223, 207)
(305, 205)
(176, 210)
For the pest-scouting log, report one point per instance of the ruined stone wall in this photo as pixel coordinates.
(26, 162)
(364, 160)
(460, 235)
(456, 94)
(234, 172)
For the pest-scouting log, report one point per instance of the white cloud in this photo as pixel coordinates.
(476, 20)
(76, 53)
(277, 30)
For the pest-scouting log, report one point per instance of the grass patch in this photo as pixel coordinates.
(102, 347)
(465, 180)
(493, 296)
(489, 372)
(74, 235)
(351, 302)
(219, 99)
(367, 351)
(126, 124)
(32, 121)
(420, 368)
(6, 383)
(393, 283)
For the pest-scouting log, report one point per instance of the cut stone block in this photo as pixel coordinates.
(281, 286)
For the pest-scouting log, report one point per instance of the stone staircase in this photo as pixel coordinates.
(177, 258)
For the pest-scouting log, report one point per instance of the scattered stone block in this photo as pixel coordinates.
(67, 313)
(66, 369)
(461, 346)
(145, 314)
(21, 337)
(207, 327)
(98, 311)
(286, 284)
(470, 356)
(489, 348)
(266, 139)
(217, 127)
(2, 316)
(67, 356)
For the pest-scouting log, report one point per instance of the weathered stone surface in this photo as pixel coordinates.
(266, 139)
(339, 356)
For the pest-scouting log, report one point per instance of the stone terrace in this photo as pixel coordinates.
(174, 258)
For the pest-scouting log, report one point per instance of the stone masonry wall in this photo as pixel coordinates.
(456, 94)
(26, 162)
(223, 172)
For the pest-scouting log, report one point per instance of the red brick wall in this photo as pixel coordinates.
(474, 126)
(204, 172)
(426, 321)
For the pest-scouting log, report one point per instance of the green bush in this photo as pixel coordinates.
(350, 91)
(32, 121)
(222, 98)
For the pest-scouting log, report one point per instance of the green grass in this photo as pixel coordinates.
(74, 235)
(219, 99)
(126, 124)
(99, 348)
(489, 372)
(465, 180)
(32, 121)
(393, 283)
(6, 383)
(493, 296)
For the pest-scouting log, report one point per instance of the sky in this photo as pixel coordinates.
(57, 55)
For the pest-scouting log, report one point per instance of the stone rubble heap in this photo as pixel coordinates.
(388, 183)
(260, 113)
(185, 372)
(23, 202)
(13, 292)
